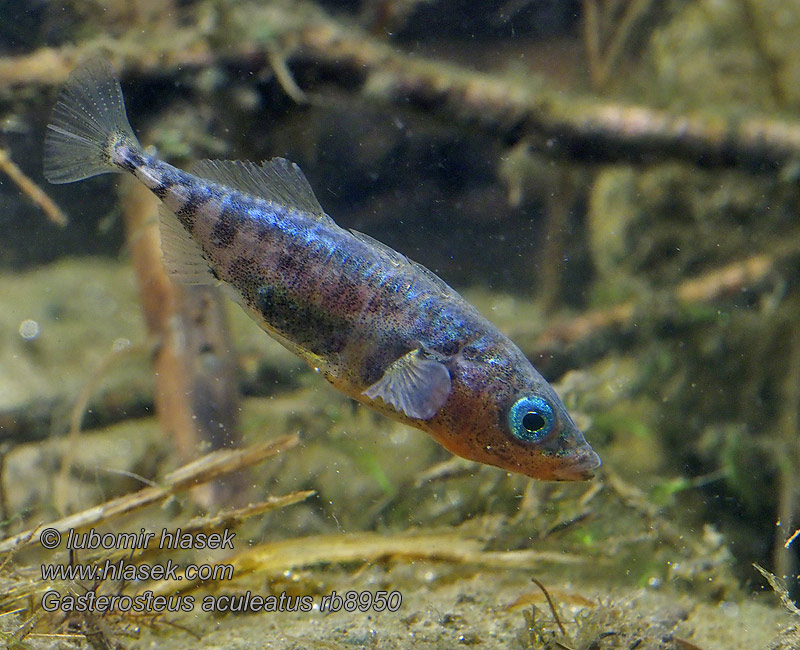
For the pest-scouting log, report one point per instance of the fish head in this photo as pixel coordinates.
(513, 420)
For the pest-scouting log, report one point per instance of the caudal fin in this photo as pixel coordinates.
(88, 117)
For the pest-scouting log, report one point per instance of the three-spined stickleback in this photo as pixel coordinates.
(379, 327)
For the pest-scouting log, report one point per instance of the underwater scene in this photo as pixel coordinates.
(400, 324)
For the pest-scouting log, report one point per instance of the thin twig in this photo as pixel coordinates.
(284, 76)
(31, 189)
(631, 17)
(200, 471)
(779, 588)
(551, 604)
(236, 516)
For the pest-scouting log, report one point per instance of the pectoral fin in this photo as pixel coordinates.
(414, 385)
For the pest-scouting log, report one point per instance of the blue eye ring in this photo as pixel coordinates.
(531, 419)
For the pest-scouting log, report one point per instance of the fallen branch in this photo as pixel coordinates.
(161, 300)
(196, 473)
(707, 288)
(276, 557)
(557, 124)
(554, 122)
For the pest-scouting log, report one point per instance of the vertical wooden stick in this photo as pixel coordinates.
(160, 301)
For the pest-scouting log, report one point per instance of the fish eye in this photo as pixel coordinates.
(531, 419)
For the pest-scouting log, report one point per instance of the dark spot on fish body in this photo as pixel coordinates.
(197, 198)
(383, 353)
(244, 275)
(449, 347)
(162, 189)
(227, 225)
(308, 325)
(289, 265)
(128, 158)
(269, 300)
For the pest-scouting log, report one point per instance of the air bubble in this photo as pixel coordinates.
(29, 329)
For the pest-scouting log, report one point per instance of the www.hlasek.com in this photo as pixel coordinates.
(147, 601)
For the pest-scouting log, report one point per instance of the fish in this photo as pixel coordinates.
(380, 328)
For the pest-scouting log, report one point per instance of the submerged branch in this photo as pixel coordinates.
(201, 471)
(582, 128)
(449, 546)
(715, 285)
(587, 127)
(160, 300)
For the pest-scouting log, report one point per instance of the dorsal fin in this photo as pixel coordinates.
(435, 280)
(400, 260)
(276, 180)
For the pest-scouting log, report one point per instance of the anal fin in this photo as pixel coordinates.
(183, 257)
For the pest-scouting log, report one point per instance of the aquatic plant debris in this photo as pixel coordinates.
(380, 328)
(202, 470)
(779, 588)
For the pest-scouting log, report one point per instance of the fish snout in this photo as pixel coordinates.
(578, 465)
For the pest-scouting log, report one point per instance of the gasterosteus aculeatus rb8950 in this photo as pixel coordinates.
(380, 328)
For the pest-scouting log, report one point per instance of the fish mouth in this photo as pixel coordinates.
(578, 466)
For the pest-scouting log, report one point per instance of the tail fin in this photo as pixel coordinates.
(88, 117)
